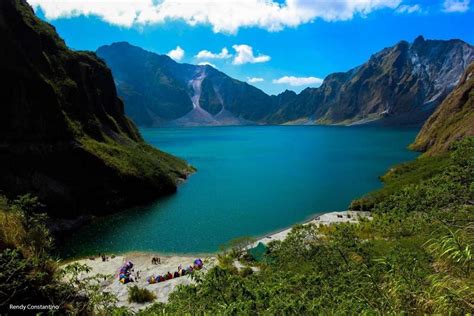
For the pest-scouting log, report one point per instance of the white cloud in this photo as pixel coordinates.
(299, 81)
(255, 80)
(206, 63)
(223, 16)
(205, 54)
(405, 8)
(177, 53)
(456, 5)
(244, 55)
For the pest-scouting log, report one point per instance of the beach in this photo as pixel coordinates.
(142, 263)
(323, 219)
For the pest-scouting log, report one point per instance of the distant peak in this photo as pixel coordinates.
(288, 92)
(419, 39)
(121, 44)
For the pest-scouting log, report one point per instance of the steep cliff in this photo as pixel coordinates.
(453, 120)
(63, 132)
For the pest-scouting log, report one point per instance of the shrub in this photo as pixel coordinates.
(138, 295)
(246, 271)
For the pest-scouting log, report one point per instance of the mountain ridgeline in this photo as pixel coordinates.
(158, 91)
(400, 85)
(64, 135)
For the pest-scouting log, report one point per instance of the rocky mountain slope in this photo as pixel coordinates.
(453, 120)
(400, 85)
(63, 132)
(159, 91)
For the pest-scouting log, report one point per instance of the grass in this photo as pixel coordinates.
(137, 159)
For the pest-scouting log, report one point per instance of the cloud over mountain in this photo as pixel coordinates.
(176, 54)
(299, 81)
(205, 54)
(245, 54)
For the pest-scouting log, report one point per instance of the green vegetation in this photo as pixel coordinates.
(415, 256)
(139, 295)
(398, 177)
(138, 160)
(28, 273)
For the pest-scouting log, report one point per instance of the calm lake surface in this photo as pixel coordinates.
(250, 181)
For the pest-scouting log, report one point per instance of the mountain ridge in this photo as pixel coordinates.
(403, 82)
(399, 85)
(173, 86)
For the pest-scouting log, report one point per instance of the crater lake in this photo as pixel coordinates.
(250, 181)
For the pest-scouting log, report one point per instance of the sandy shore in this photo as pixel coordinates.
(323, 219)
(143, 263)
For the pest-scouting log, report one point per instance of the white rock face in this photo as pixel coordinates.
(441, 77)
(200, 117)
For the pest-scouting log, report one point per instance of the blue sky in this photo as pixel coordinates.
(291, 44)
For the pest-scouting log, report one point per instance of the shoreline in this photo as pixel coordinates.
(144, 266)
(321, 219)
(326, 218)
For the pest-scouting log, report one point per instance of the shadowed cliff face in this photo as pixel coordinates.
(453, 120)
(400, 85)
(63, 132)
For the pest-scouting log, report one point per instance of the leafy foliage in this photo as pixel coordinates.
(29, 275)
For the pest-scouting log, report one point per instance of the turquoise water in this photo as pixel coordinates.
(250, 181)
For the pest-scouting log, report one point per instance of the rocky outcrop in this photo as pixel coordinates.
(453, 120)
(63, 132)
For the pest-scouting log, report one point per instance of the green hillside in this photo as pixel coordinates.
(65, 137)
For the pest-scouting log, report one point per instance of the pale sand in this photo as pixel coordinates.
(323, 219)
(142, 263)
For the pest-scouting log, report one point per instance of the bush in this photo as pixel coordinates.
(246, 271)
(138, 295)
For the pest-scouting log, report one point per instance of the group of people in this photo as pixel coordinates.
(155, 260)
(125, 274)
(198, 264)
(104, 257)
